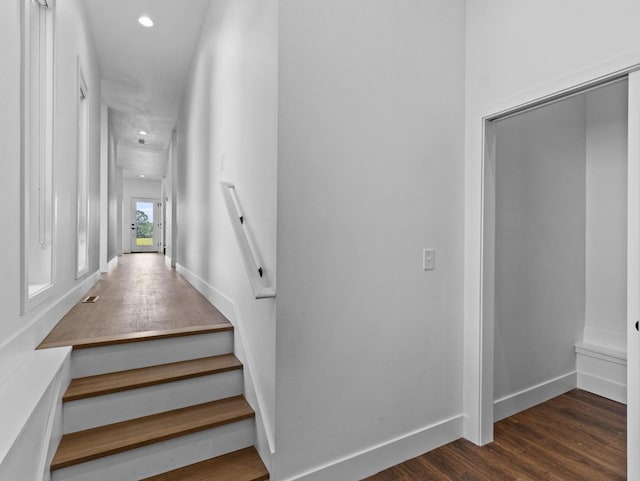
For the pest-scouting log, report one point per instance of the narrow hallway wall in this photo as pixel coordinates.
(28, 408)
(228, 131)
(72, 42)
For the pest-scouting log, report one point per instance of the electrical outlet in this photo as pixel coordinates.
(428, 259)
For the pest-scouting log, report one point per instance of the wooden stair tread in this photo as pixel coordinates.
(103, 441)
(140, 336)
(242, 465)
(90, 386)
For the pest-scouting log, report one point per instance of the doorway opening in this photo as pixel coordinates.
(145, 226)
(560, 235)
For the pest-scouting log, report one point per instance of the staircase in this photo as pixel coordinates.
(158, 406)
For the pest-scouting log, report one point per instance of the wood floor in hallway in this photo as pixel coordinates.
(575, 437)
(140, 295)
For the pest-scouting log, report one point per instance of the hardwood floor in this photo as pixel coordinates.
(141, 294)
(575, 437)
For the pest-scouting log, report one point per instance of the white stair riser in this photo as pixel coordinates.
(121, 406)
(164, 456)
(121, 357)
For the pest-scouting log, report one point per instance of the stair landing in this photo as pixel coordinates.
(139, 298)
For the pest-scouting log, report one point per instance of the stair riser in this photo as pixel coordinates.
(121, 357)
(164, 456)
(121, 406)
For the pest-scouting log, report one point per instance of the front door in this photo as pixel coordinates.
(145, 225)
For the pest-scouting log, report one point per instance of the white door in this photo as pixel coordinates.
(145, 225)
(633, 282)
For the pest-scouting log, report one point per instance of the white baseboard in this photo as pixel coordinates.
(602, 371)
(527, 398)
(253, 391)
(603, 387)
(384, 455)
(105, 268)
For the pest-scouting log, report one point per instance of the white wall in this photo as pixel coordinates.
(606, 241)
(169, 191)
(370, 172)
(228, 131)
(518, 52)
(114, 198)
(20, 334)
(10, 192)
(539, 245)
(141, 188)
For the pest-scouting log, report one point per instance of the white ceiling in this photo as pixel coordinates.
(144, 70)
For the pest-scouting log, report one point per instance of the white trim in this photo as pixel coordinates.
(43, 141)
(603, 353)
(602, 387)
(231, 311)
(104, 187)
(83, 132)
(15, 350)
(384, 455)
(478, 335)
(106, 268)
(633, 279)
(527, 398)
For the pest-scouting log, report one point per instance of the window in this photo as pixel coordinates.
(82, 176)
(37, 141)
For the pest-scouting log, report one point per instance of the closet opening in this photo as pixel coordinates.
(555, 248)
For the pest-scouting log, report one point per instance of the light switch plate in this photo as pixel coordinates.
(428, 259)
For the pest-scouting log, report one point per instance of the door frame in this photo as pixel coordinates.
(157, 225)
(479, 249)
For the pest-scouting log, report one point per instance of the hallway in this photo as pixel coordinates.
(140, 296)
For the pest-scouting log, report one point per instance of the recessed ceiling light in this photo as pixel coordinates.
(145, 21)
(142, 175)
(142, 132)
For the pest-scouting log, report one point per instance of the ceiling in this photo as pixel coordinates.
(144, 71)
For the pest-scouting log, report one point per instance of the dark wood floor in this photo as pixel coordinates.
(574, 437)
(141, 294)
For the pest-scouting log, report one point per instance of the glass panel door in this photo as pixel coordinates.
(144, 233)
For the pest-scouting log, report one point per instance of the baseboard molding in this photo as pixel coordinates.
(105, 268)
(253, 391)
(603, 387)
(384, 455)
(527, 398)
(15, 350)
(602, 371)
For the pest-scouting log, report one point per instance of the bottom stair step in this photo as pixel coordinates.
(242, 465)
(115, 438)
